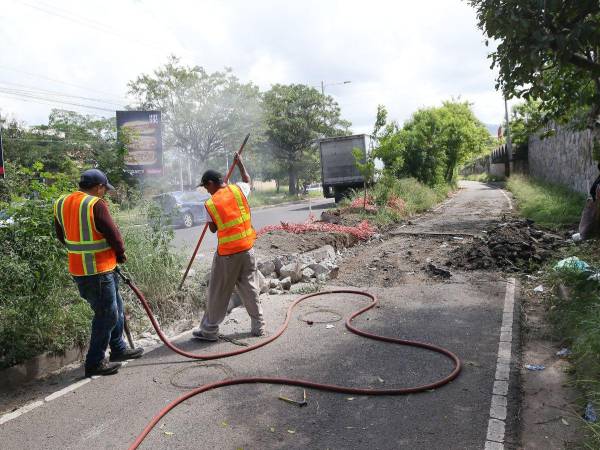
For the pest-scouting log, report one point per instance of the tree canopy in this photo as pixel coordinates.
(296, 116)
(205, 114)
(433, 143)
(547, 50)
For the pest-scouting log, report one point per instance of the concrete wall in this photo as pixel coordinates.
(564, 158)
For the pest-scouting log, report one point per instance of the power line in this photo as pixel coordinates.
(45, 101)
(34, 90)
(60, 81)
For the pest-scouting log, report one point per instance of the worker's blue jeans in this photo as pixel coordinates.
(102, 293)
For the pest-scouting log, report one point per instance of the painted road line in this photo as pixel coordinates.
(498, 409)
(66, 390)
(22, 410)
(70, 388)
(510, 205)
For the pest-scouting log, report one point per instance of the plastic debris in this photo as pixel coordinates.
(534, 367)
(590, 413)
(572, 263)
(291, 431)
(594, 277)
(539, 288)
(576, 237)
(564, 421)
(563, 352)
(329, 326)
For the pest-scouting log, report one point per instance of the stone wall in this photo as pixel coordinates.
(564, 158)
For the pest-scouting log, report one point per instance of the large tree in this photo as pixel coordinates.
(205, 114)
(296, 117)
(433, 143)
(547, 50)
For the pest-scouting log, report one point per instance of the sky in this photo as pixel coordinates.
(403, 54)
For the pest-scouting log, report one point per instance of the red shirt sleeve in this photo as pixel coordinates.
(105, 225)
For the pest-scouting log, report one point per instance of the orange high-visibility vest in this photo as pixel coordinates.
(89, 253)
(230, 212)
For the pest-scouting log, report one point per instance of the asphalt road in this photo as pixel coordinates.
(464, 315)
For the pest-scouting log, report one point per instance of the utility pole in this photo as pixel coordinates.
(508, 140)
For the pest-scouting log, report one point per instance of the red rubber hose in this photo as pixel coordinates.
(292, 381)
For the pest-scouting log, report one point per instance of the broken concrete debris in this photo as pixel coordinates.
(279, 273)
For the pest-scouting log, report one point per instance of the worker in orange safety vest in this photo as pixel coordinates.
(94, 246)
(234, 263)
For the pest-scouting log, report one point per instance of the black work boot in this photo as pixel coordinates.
(103, 368)
(129, 353)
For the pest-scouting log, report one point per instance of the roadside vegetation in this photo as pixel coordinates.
(40, 307)
(576, 321)
(549, 205)
(576, 318)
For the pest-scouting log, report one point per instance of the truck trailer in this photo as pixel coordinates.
(339, 173)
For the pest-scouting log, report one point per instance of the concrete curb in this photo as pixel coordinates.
(39, 367)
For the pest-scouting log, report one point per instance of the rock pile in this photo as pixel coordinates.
(278, 274)
(511, 246)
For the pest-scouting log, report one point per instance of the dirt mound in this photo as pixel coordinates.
(511, 246)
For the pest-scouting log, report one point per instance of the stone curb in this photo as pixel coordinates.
(39, 367)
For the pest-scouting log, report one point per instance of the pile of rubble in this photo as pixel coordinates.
(511, 246)
(278, 274)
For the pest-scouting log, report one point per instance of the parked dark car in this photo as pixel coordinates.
(184, 208)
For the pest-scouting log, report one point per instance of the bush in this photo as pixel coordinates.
(397, 199)
(156, 269)
(40, 309)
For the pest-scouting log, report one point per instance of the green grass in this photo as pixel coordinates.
(549, 205)
(272, 197)
(577, 324)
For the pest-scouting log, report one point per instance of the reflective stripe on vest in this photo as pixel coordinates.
(87, 248)
(246, 236)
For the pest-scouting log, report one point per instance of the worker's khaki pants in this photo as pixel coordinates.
(228, 273)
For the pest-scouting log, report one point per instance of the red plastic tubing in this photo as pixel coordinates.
(292, 381)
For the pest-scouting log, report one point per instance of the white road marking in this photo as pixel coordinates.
(22, 410)
(66, 390)
(497, 421)
(510, 205)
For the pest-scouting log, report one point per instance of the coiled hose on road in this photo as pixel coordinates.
(290, 381)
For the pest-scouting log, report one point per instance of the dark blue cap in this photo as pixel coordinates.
(92, 177)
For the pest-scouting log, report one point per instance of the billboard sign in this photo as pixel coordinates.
(140, 133)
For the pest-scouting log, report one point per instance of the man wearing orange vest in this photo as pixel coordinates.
(94, 246)
(234, 264)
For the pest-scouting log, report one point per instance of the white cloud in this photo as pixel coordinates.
(402, 54)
